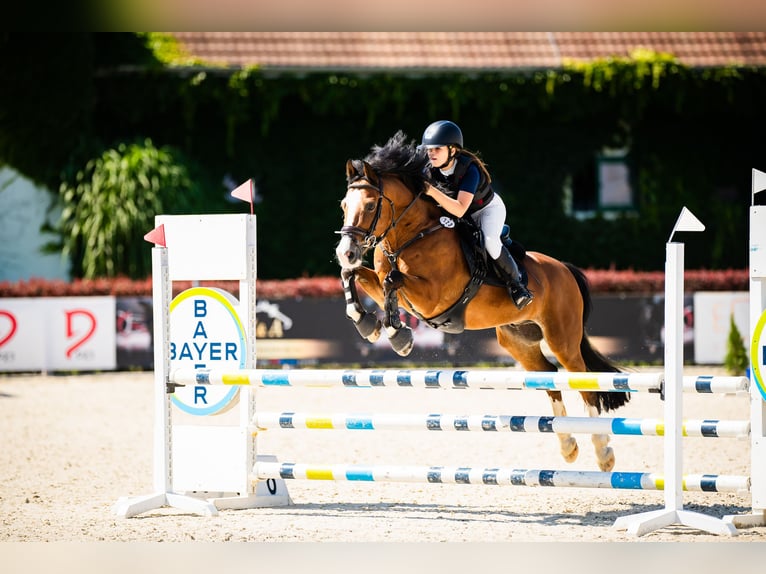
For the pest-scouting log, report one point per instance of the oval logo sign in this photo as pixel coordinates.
(758, 354)
(206, 333)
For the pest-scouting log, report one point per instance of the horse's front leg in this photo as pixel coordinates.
(399, 335)
(367, 324)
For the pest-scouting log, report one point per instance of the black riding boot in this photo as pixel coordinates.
(509, 274)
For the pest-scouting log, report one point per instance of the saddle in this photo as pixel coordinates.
(481, 270)
(472, 243)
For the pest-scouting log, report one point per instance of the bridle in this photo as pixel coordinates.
(368, 237)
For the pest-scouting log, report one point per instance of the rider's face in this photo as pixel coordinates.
(438, 155)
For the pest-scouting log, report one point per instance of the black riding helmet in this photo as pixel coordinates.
(443, 132)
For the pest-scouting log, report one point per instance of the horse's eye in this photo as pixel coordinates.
(369, 206)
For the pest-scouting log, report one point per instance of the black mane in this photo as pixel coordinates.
(400, 158)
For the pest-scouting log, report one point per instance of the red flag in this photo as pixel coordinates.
(245, 193)
(157, 236)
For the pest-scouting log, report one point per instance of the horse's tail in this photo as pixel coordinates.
(595, 361)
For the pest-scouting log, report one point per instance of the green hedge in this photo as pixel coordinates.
(692, 134)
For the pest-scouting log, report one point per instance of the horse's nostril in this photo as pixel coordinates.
(350, 255)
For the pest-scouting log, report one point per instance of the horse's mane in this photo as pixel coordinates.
(398, 157)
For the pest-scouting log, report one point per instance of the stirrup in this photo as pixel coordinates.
(521, 297)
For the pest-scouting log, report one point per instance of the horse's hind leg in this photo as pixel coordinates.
(523, 344)
(604, 452)
(567, 351)
(568, 443)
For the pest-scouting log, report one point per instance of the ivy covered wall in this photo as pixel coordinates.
(693, 136)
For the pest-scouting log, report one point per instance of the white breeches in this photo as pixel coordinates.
(491, 219)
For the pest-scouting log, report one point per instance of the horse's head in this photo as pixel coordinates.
(381, 190)
(362, 208)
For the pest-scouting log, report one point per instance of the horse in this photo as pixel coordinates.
(419, 265)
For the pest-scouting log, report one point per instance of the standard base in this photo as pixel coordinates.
(202, 503)
(747, 520)
(134, 505)
(645, 522)
(257, 500)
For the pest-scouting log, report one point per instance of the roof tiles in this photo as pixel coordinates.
(462, 50)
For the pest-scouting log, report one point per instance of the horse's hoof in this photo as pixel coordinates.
(369, 327)
(402, 342)
(373, 336)
(606, 463)
(569, 449)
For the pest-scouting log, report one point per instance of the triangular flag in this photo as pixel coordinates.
(687, 221)
(244, 191)
(759, 181)
(157, 236)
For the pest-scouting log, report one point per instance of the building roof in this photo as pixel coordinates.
(434, 51)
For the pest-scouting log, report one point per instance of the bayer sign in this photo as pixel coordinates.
(206, 333)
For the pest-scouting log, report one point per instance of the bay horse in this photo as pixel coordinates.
(419, 265)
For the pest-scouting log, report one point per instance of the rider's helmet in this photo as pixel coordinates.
(443, 132)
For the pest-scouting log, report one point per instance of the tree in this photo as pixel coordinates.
(736, 360)
(111, 205)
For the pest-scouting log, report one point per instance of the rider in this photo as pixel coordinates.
(464, 187)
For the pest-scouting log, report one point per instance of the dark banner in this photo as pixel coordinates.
(316, 331)
(135, 333)
(631, 328)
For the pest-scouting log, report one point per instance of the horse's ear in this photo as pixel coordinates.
(369, 173)
(350, 170)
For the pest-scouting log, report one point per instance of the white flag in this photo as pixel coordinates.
(759, 181)
(687, 221)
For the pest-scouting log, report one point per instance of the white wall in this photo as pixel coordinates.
(712, 322)
(23, 210)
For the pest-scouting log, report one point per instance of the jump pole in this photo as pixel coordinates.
(457, 379)
(673, 513)
(444, 422)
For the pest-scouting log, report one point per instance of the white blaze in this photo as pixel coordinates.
(353, 203)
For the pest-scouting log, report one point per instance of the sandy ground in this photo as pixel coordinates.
(73, 445)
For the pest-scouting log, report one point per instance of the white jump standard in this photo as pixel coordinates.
(202, 247)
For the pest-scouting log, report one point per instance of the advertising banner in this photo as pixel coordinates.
(101, 333)
(57, 334)
(631, 327)
(81, 333)
(714, 312)
(317, 331)
(22, 346)
(134, 327)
